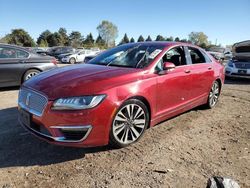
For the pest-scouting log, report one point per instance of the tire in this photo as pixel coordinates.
(30, 73)
(129, 123)
(72, 60)
(213, 96)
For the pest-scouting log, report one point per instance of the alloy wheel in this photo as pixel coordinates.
(129, 124)
(214, 94)
(30, 74)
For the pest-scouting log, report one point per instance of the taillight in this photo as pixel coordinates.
(54, 61)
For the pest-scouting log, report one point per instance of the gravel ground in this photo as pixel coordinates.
(181, 152)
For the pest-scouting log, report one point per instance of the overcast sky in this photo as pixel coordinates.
(227, 21)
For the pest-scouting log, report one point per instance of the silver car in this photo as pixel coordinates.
(239, 65)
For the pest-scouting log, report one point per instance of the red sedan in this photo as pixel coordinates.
(116, 96)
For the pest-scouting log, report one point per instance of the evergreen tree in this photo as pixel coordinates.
(75, 39)
(140, 39)
(149, 38)
(100, 42)
(124, 40)
(64, 39)
(89, 41)
(170, 39)
(20, 37)
(160, 38)
(177, 39)
(43, 37)
(54, 39)
(132, 40)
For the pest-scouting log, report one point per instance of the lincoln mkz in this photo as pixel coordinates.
(116, 96)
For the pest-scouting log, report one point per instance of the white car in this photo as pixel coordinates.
(77, 57)
(239, 65)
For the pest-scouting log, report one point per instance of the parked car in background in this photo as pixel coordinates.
(56, 51)
(17, 64)
(220, 53)
(239, 65)
(116, 96)
(41, 51)
(76, 57)
(217, 52)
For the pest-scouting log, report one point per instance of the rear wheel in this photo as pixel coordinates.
(30, 73)
(129, 123)
(72, 60)
(213, 95)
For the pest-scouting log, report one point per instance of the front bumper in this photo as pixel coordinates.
(237, 73)
(82, 128)
(65, 60)
(78, 133)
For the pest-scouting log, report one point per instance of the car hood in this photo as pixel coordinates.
(241, 50)
(78, 80)
(66, 54)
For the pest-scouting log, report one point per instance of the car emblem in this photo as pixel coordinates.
(243, 65)
(27, 101)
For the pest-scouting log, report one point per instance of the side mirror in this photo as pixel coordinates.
(168, 66)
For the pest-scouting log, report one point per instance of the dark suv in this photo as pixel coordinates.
(57, 51)
(17, 64)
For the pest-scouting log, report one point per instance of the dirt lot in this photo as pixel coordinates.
(182, 152)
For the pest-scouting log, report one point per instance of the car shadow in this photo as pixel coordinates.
(9, 88)
(237, 81)
(19, 148)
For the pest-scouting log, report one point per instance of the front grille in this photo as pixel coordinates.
(32, 101)
(242, 65)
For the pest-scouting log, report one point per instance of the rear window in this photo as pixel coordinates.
(196, 55)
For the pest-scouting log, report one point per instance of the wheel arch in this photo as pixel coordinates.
(145, 101)
(220, 83)
(32, 68)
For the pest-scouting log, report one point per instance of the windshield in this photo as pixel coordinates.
(134, 56)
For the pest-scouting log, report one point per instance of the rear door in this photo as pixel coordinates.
(201, 69)
(12, 65)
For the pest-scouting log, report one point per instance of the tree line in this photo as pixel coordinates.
(107, 33)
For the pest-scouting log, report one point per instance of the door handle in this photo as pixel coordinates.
(209, 68)
(187, 71)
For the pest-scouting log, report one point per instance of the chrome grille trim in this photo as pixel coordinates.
(32, 101)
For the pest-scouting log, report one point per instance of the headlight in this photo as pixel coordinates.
(77, 103)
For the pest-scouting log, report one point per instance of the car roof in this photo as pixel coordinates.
(162, 44)
(13, 46)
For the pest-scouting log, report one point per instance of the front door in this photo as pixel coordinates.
(173, 87)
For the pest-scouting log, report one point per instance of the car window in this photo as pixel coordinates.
(196, 55)
(21, 54)
(6, 52)
(207, 59)
(175, 55)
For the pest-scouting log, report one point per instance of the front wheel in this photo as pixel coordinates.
(213, 95)
(72, 60)
(129, 123)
